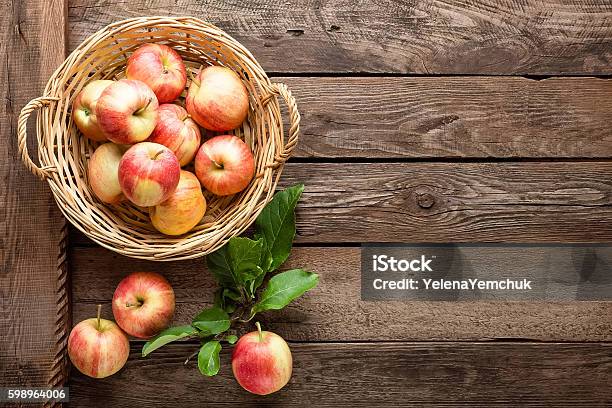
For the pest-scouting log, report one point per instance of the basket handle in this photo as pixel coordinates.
(34, 104)
(294, 120)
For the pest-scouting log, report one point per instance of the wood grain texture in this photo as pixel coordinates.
(453, 117)
(32, 45)
(334, 311)
(449, 37)
(451, 202)
(372, 375)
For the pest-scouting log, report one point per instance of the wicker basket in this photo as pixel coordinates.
(63, 152)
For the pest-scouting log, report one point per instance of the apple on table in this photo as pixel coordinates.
(262, 362)
(143, 304)
(98, 347)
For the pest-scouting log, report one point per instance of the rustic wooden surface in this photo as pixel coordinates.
(448, 37)
(451, 202)
(31, 46)
(390, 151)
(387, 156)
(374, 375)
(334, 311)
(453, 117)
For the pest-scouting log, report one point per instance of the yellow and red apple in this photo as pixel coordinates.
(97, 347)
(143, 304)
(183, 210)
(127, 111)
(84, 110)
(148, 174)
(261, 362)
(103, 172)
(161, 68)
(217, 99)
(225, 165)
(177, 131)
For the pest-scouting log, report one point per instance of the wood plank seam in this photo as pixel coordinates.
(59, 370)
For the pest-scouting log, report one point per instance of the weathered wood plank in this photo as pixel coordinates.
(476, 117)
(334, 311)
(449, 37)
(32, 45)
(452, 202)
(372, 375)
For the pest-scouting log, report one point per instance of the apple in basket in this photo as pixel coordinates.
(143, 304)
(225, 165)
(177, 131)
(217, 99)
(261, 362)
(148, 174)
(98, 347)
(183, 210)
(103, 172)
(161, 68)
(127, 111)
(84, 110)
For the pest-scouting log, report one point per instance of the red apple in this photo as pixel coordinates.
(183, 210)
(261, 362)
(127, 111)
(103, 172)
(225, 165)
(84, 110)
(217, 99)
(148, 174)
(161, 68)
(97, 347)
(143, 304)
(177, 131)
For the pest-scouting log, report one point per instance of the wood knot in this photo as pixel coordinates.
(425, 200)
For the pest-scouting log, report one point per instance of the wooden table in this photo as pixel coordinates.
(446, 121)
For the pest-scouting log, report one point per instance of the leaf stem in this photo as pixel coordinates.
(195, 353)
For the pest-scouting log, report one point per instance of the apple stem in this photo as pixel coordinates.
(219, 166)
(259, 331)
(138, 303)
(157, 154)
(145, 107)
(99, 311)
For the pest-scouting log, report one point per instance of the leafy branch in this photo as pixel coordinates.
(244, 270)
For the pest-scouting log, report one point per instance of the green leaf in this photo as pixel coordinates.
(219, 300)
(284, 288)
(256, 283)
(276, 224)
(237, 261)
(231, 294)
(167, 336)
(231, 339)
(212, 321)
(226, 298)
(208, 358)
